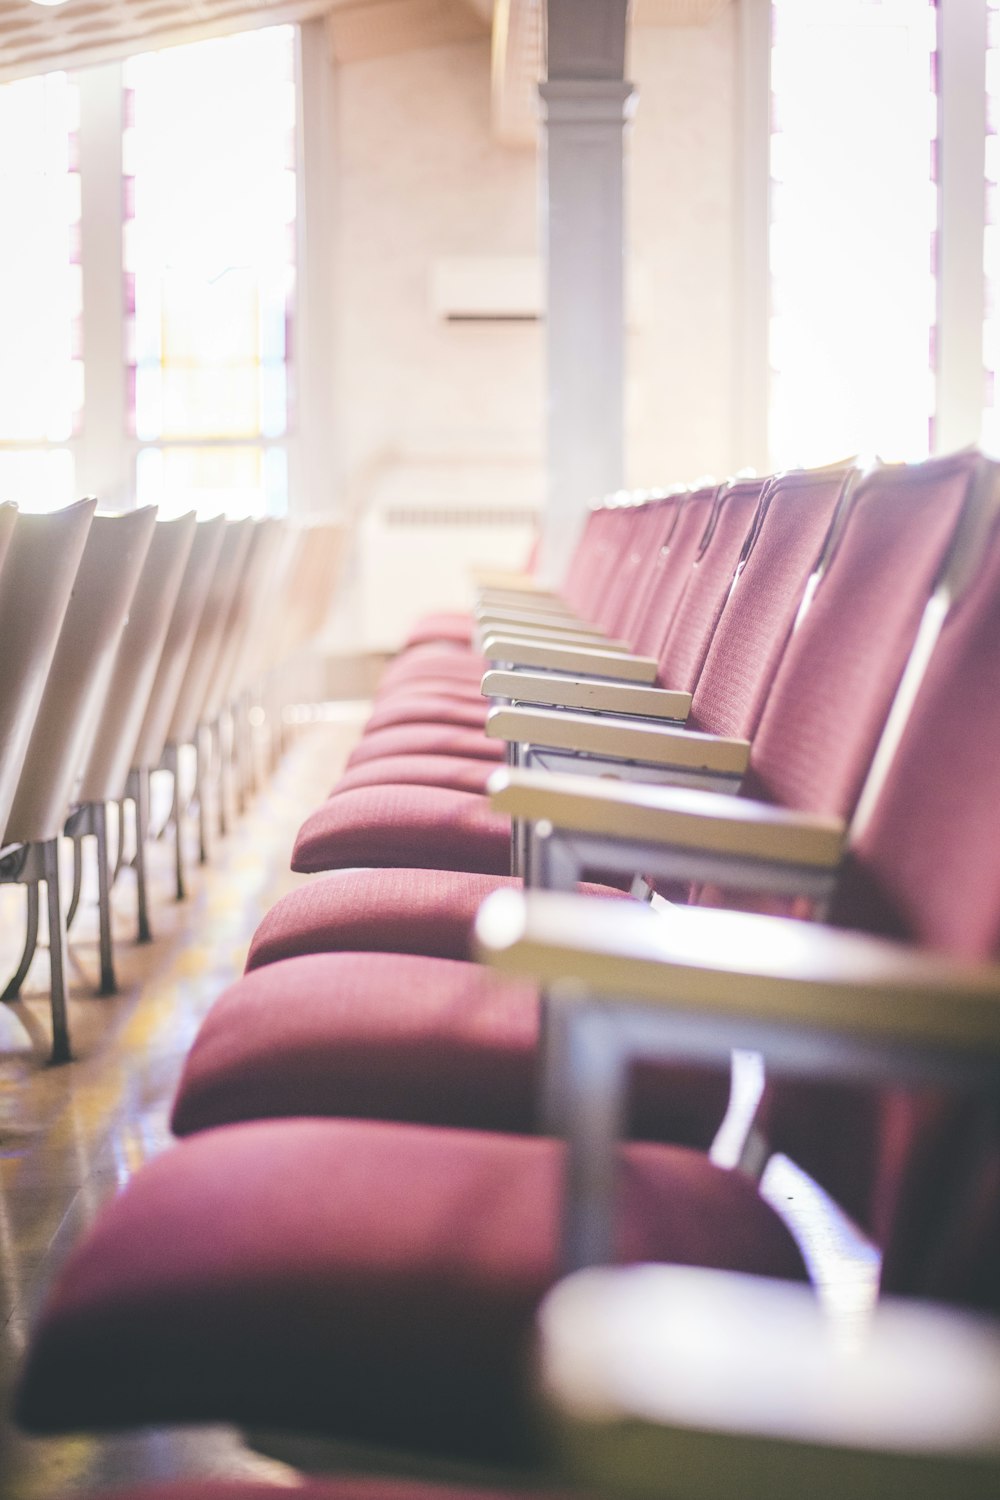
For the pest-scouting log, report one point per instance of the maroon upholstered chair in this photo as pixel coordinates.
(244, 1064)
(432, 912)
(703, 552)
(824, 714)
(352, 1278)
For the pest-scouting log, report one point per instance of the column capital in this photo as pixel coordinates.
(587, 101)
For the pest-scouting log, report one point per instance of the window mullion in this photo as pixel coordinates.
(961, 170)
(104, 454)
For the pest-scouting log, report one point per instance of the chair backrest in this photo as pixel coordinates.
(839, 672)
(311, 583)
(209, 635)
(78, 677)
(709, 584)
(925, 868)
(661, 513)
(788, 541)
(139, 651)
(671, 566)
(244, 613)
(176, 651)
(39, 568)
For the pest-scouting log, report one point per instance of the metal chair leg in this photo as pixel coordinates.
(108, 985)
(171, 762)
(57, 952)
(74, 900)
(30, 944)
(140, 783)
(202, 761)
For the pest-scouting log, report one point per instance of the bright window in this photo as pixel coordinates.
(853, 228)
(209, 257)
(41, 368)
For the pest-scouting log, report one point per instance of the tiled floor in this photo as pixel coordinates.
(69, 1136)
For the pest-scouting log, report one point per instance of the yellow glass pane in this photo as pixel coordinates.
(212, 401)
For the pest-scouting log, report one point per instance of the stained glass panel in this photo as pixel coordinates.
(41, 368)
(232, 479)
(209, 248)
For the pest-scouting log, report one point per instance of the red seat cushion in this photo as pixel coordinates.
(452, 667)
(427, 707)
(426, 739)
(420, 826)
(387, 911)
(392, 1036)
(448, 771)
(351, 1487)
(443, 625)
(354, 1278)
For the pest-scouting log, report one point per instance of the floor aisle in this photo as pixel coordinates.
(70, 1136)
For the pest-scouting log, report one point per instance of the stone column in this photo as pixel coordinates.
(585, 103)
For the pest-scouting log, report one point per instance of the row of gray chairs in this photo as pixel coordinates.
(126, 639)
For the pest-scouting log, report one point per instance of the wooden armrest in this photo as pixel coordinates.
(528, 613)
(619, 739)
(589, 693)
(650, 1372)
(573, 636)
(682, 817)
(620, 666)
(744, 967)
(503, 579)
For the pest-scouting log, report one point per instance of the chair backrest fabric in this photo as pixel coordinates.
(835, 684)
(672, 565)
(39, 568)
(79, 674)
(709, 583)
(789, 539)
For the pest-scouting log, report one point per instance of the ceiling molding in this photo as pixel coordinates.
(677, 12)
(378, 28)
(36, 39)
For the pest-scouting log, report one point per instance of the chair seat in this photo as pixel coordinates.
(443, 625)
(423, 827)
(381, 911)
(451, 665)
(341, 1487)
(426, 739)
(352, 1278)
(391, 1036)
(428, 707)
(447, 771)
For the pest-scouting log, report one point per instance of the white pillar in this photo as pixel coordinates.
(585, 103)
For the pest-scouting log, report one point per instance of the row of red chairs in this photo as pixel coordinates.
(777, 695)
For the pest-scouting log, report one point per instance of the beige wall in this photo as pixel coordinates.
(681, 214)
(432, 413)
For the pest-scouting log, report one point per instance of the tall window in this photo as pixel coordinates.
(853, 228)
(209, 256)
(41, 370)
